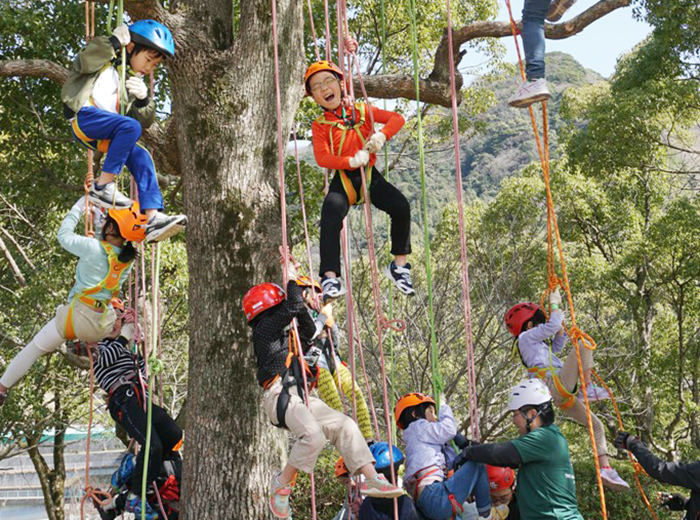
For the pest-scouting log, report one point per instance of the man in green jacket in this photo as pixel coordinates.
(92, 99)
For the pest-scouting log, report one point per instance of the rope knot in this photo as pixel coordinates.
(396, 325)
(155, 365)
(578, 336)
(350, 44)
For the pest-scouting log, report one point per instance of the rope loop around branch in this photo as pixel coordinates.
(397, 325)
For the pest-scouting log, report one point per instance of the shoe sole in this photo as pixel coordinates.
(614, 486)
(275, 513)
(524, 103)
(374, 493)
(168, 231)
(107, 205)
(387, 273)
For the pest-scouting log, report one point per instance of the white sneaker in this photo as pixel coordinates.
(161, 226)
(530, 92)
(401, 276)
(558, 8)
(108, 196)
(612, 480)
(595, 393)
(332, 288)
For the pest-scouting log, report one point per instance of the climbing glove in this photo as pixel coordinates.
(376, 142)
(361, 158)
(555, 297)
(624, 440)
(121, 33)
(674, 502)
(136, 87)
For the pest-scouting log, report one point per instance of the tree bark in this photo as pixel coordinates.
(224, 98)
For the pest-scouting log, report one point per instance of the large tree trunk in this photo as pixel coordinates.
(227, 135)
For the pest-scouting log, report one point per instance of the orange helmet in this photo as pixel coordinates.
(131, 223)
(340, 468)
(305, 281)
(117, 304)
(319, 66)
(407, 401)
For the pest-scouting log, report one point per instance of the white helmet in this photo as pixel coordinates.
(531, 392)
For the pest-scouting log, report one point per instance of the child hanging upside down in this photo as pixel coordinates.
(429, 456)
(91, 99)
(333, 375)
(280, 373)
(103, 266)
(538, 341)
(344, 140)
(119, 373)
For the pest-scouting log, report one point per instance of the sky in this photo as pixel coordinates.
(597, 47)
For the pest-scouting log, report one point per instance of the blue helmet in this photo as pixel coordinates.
(380, 451)
(154, 35)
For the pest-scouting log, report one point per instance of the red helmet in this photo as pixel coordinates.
(500, 478)
(516, 317)
(407, 401)
(340, 468)
(260, 298)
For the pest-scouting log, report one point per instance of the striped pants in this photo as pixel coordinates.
(328, 389)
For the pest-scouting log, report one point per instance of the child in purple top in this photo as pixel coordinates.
(538, 341)
(428, 457)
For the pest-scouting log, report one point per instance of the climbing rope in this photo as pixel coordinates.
(576, 335)
(90, 176)
(466, 302)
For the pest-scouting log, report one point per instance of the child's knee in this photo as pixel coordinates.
(316, 440)
(131, 127)
(334, 204)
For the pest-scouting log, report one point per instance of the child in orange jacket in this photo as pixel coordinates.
(344, 140)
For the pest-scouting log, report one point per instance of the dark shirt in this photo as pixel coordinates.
(674, 473)
(271, 337)
(383, 509)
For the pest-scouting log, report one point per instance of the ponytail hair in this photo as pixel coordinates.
(128, 252)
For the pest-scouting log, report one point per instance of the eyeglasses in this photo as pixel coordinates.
(328, 82)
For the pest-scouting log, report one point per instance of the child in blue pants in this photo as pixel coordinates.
(428, 456)
(92, 99)
(534, 13)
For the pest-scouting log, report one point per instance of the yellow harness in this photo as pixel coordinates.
(543, 373)
(353, 198)
(109, 282)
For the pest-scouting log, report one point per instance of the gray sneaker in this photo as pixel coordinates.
(558, 9)
(530, 92)
(162, 226)
(109, 197)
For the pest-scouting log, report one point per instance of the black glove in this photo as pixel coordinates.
(461, 441)
(674, 502)
(461, 458)
(624, 440)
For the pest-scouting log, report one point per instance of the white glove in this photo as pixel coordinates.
(98, 219)
(136, 87)
(121, 33)
(361, 159)
(79, 205)
(376, 142)
(555, 297)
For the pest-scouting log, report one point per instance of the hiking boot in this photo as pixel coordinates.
(124, 472)
(108, 196)
(401, 276)
(332, 288)
(161, 226)
(279, 497)
(134, 505)
(595, 393)
(612, 480)
(557, 9)
(530, 92)
(380, 487)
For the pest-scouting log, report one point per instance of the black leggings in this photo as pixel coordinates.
(383, 195)
(125, 407)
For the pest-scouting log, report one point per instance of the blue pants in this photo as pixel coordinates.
(471, 478)
(534, 12)
(123, 134)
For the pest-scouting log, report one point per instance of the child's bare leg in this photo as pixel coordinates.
(604, 462)
(105, 178)
(287, 475)
(587, 377)
(330, 274)
(368, 471)
(150, 213)
(400, 260)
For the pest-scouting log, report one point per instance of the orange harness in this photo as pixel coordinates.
(353, 197)
(109, 282)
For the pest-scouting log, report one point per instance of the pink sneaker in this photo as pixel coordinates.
(612, 480)
(380, 487)
(595, 393)
(279, 497)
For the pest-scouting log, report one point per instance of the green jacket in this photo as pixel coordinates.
(85, 69)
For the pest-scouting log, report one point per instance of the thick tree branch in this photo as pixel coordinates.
(436, 88)
(34, 68)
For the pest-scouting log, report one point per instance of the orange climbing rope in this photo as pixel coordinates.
(576, 335)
